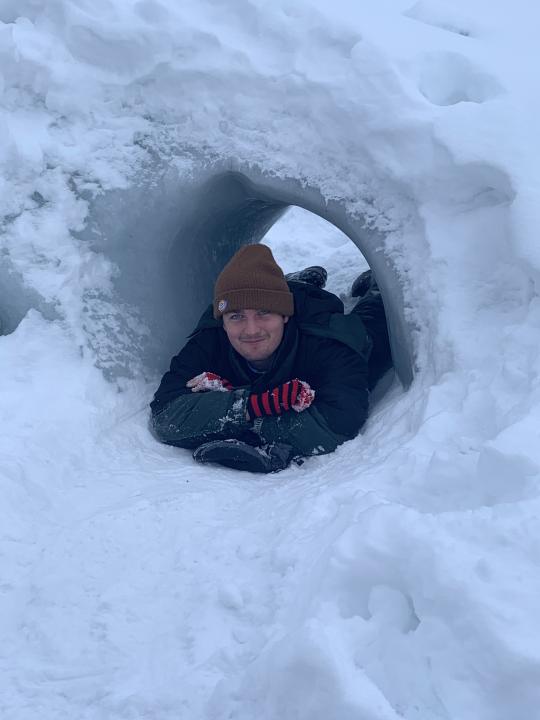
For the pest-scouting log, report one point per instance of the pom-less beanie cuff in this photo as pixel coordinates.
(277, 301)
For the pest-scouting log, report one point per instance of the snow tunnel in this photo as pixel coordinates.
(169, 237)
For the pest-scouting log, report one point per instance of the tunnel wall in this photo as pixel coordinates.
(168, 238)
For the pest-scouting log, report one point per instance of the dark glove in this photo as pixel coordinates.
(293, 395)
(209, 381)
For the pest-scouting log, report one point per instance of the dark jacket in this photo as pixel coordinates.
(320, 345)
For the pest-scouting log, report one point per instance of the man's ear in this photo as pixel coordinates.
(285, 319)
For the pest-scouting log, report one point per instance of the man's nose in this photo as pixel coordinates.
(252, 326)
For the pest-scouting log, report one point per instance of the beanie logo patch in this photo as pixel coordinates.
(222, 305)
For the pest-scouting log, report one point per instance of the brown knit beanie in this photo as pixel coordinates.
(252, 279)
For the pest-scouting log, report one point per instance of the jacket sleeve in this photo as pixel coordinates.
(186, 419)
(340, 407)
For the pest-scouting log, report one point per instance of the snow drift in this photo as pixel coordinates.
(141, 142)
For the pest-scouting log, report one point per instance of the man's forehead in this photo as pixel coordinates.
(245, 310)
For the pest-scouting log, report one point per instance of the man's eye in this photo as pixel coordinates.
(235, 316)
(263, 312)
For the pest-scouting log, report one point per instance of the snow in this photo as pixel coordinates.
(397, 577)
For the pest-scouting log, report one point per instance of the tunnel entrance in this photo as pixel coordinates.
(234, 211)
(300, 238)
(170, 240)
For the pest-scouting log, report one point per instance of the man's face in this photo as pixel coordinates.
(254, 334)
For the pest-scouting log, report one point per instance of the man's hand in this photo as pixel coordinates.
(294, 395)
(304, 397)
(208, 381)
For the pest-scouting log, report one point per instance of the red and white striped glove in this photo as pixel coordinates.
(207, 381)
(293, 395)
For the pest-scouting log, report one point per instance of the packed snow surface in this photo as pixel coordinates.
(396, 578)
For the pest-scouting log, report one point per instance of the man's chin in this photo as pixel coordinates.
(254, 353)
(255, 357)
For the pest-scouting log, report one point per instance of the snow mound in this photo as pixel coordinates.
(394, 578)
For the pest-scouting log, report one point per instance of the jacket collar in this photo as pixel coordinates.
(282, 363)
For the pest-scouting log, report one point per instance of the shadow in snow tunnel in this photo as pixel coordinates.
(16, 299)
(170, 238)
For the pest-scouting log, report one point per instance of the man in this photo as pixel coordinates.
(274, 370)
